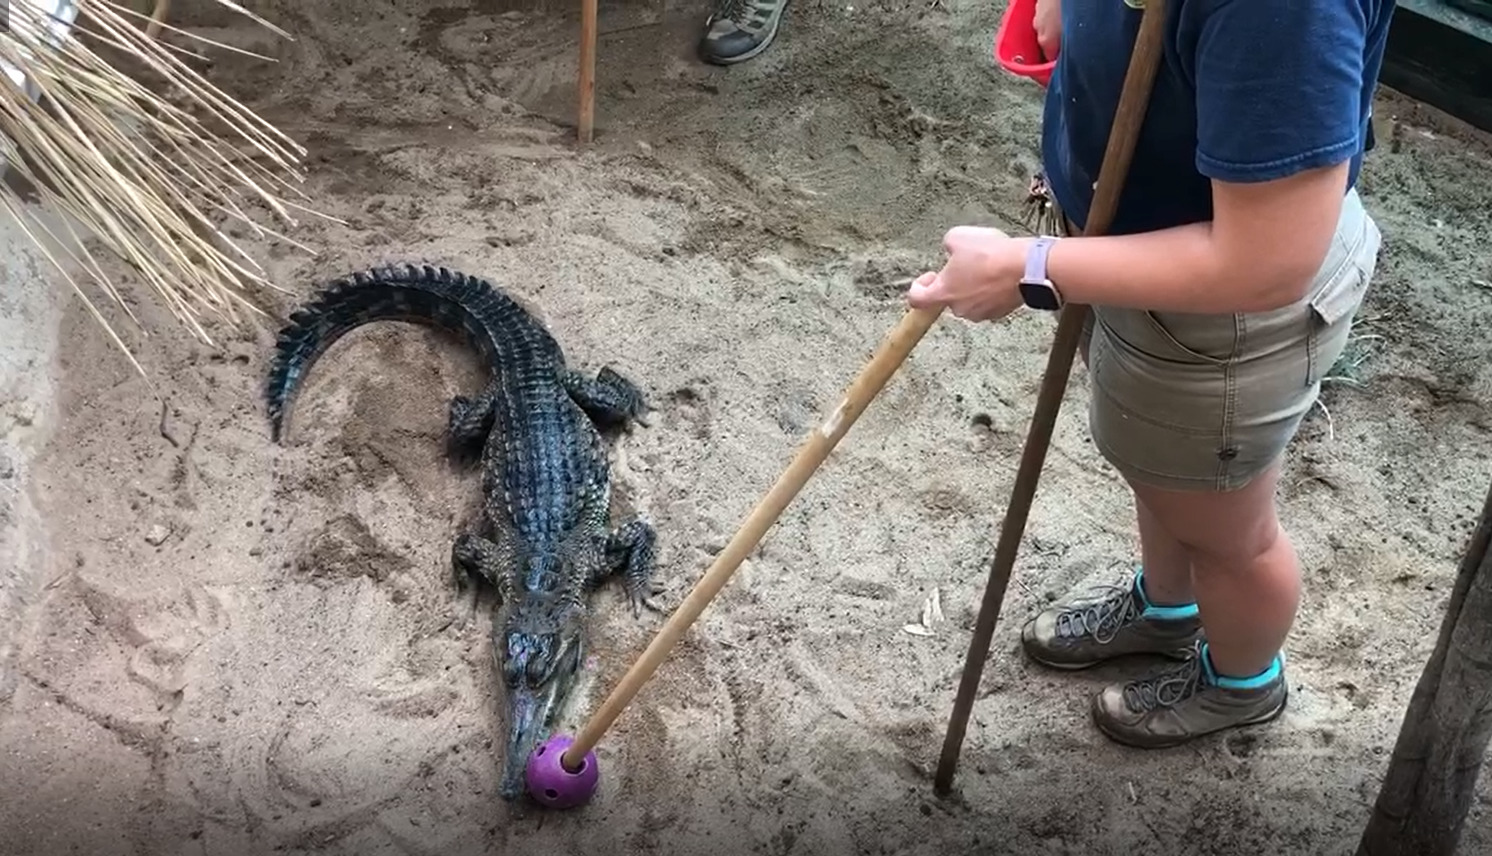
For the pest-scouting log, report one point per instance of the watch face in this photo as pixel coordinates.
(1039, 295)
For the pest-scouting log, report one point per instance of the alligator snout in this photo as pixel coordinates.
(528, 725)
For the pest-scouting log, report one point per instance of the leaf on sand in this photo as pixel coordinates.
(932, 613)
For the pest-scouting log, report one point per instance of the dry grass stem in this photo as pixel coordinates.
(141, 175)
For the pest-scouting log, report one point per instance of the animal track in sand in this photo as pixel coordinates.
(421, 693)
(691, 407)
(345, 548)
(303, 803)
(794, 406)
(303, 787)
(162, 633)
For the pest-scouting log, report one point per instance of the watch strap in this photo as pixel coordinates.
(1036, 260)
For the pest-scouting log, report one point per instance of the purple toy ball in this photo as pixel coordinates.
(551, 785)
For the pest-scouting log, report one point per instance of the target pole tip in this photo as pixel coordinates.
(553, 785)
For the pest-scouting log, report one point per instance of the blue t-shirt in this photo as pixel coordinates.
(1247, 90)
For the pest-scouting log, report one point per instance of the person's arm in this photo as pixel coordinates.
(1048, 25)
(1260, 251)
(1279, 87)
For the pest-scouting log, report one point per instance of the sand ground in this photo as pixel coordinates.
(229, 647)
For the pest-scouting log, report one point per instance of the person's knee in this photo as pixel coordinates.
(1240, 549)
(1219, 530)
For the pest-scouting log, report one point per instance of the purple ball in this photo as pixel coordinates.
(551, 785)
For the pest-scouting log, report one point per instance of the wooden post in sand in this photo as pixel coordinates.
(585, 125)
(1432, 774)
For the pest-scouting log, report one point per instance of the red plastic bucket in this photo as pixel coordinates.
(1016, 48)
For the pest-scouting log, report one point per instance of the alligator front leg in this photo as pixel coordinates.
(630, 552)
(608, 398)
(493, 561)
(468, 423)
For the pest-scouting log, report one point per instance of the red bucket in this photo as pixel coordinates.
(1016, 48)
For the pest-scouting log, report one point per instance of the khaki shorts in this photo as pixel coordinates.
(1208, 402)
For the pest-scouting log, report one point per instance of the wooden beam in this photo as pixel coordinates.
(1442, 55)
(1442, 745)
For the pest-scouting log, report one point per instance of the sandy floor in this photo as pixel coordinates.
(241, 648)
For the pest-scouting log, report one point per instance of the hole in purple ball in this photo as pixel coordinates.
(539, 751)
(551, 793)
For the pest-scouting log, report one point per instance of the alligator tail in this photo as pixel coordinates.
(493, 323)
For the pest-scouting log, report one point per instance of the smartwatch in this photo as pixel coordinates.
(1037, 290)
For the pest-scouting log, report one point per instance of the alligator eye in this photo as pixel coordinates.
(513, 668)
(539, 671)
(530, 660)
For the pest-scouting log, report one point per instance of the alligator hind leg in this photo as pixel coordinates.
(608, 398)
(468, 423)
(630, 552)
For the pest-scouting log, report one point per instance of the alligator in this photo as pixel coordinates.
(543, 541)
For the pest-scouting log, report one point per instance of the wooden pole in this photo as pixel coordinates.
(587, 85)
(883, 364)
(1129, 116)
(1432, 774)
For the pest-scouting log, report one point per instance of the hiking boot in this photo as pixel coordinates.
(1186, 702)
(740, 29)
(1113, 621)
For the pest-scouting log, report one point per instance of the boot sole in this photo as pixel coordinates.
(1178, 656)
(1263, 719)
(1179, 653)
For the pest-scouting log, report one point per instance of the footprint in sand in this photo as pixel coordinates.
(169, 637)
(161, 633)
(344, 548)
(296, 774)
(690, 408)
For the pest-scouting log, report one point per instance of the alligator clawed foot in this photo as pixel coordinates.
(640, 413)
(611, 400)
(463, 608)
(641, 599)
(638, 603)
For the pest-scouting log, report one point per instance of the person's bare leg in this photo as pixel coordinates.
(1247, 586)
(1167, 566)
(1245, 574)
(1167, 577)
(1151, 612)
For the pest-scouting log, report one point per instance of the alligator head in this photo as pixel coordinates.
(539, 647)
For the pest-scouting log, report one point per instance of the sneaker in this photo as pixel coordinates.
(1187, 702)
(1113, 621)
(740, 29)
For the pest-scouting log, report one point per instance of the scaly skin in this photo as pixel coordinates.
(545, 540)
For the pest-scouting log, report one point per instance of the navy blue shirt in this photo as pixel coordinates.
(1247, 90)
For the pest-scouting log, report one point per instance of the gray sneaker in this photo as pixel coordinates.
(740, 29)
(1111, 621)
(1187, 702)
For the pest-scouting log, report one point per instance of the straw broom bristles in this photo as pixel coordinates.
(140, 175)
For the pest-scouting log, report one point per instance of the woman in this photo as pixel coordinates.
(1238, 256)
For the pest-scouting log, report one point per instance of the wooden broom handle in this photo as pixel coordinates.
(888, 358)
